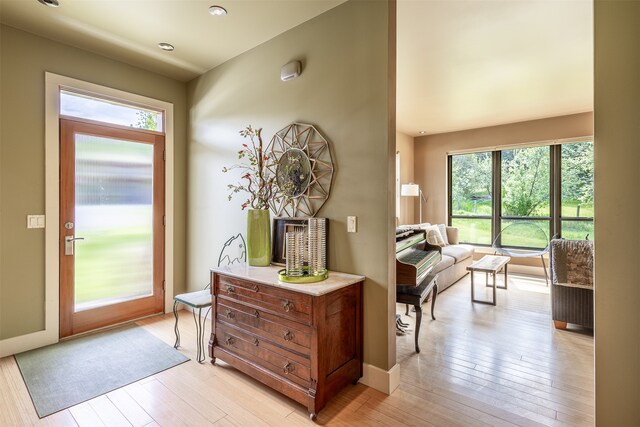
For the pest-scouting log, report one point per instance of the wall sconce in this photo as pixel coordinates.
(290, 71)
(413, 190)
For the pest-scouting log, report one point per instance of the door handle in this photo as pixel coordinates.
(69, 245)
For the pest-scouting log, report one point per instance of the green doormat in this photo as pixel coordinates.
(65, 374)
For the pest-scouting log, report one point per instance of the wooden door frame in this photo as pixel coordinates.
(72, 322)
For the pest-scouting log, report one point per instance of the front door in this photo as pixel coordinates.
(111, 225)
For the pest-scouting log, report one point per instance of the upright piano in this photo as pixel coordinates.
(415, 257)
(415, 260)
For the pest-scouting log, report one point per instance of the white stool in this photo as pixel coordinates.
(199, 300)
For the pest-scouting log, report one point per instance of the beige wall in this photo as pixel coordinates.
(404, 144)
(431, 151)
(343, 89)
(617, 212)
(24, 58)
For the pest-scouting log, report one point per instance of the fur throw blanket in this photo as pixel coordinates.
(572, 263)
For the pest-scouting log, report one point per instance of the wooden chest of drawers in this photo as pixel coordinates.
(306, 343)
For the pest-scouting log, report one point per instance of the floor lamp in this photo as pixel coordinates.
(413, 190)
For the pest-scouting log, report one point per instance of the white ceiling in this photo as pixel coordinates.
(461, 63)
(469, 64)
(130, 30)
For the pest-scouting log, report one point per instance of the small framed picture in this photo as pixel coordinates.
(280, 227)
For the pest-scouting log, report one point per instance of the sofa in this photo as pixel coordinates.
(456, 257)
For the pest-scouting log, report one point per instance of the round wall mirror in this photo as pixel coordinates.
(293, 172)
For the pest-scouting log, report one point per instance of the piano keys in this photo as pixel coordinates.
(415, 257)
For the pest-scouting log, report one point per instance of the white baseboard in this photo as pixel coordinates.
(381, 380)
(27, 342)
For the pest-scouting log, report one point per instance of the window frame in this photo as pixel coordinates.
(450, 193)
(53, 82)
(554, 219)
(106, 99)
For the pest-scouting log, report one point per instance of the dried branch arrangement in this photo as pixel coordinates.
(257, 180)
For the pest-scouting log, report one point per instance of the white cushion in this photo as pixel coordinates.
(443, 233)
(458, 252)
(433, 236)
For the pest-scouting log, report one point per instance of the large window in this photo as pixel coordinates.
(576, 174)
(471, 198)
(539, 191)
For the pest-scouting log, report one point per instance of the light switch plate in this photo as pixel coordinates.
(35, 221)
(352, 224)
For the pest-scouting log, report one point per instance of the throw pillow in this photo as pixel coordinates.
(433, 236)
(443, 233)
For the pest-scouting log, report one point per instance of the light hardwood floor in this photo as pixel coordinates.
(479, 365)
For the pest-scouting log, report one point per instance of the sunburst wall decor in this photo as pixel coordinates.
(304, 185)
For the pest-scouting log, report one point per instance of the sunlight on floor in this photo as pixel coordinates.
(529, 283)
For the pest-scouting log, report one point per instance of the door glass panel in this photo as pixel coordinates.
(114, 216)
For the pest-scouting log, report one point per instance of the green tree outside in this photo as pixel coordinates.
(525, 188)
(146, 120)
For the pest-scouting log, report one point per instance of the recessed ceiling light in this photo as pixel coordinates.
(50, 3)
(166, 46)
(422, 132)
(217, 11)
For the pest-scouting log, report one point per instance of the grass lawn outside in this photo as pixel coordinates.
(478, 231)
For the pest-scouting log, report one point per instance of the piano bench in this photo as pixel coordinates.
(416, 295)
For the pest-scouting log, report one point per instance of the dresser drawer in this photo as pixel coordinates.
(289, 334)
(284, 303)
(253, 349)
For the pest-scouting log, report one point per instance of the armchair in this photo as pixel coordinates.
(571, 282)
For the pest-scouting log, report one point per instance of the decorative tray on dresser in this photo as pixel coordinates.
(303, 340)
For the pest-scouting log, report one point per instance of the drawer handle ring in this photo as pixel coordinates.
(256, 313)
(288, 335)
(288, 368)
(287, 306)
(231, 289)
(229, 341)
(229, 314)
(255, 288)
(256, 342)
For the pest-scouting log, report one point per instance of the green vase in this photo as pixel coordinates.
(258, 237)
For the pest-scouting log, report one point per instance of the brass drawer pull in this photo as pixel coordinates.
(231, 289)
(255, 288)
(288, 368)
(229, 314)
(230, 340)
(287, 306)
(256, 342)
(256, 313)
(288, 335)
